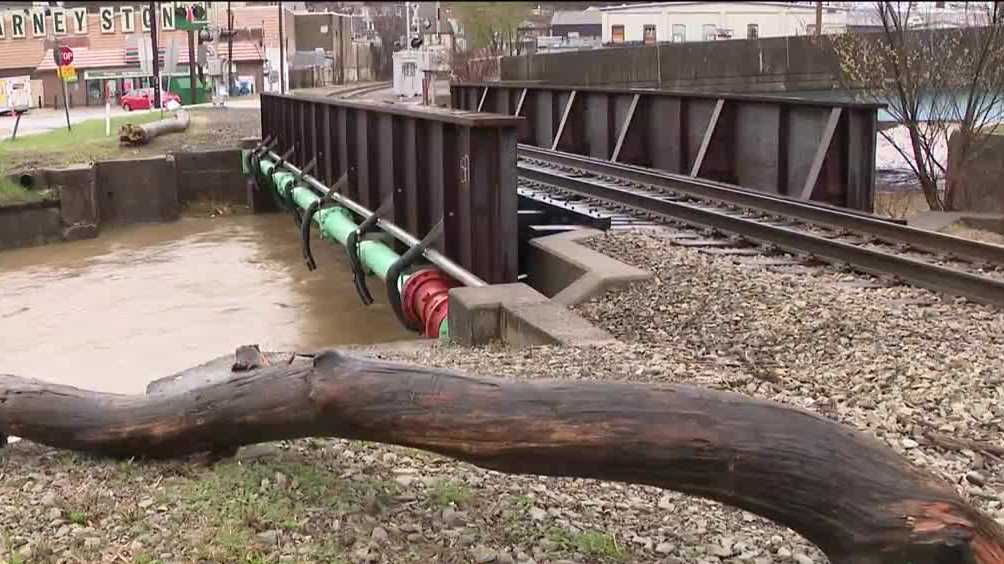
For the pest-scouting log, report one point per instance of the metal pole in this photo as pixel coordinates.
(819, 18)
(16, 123)
(282, 54)
(459, 273)
(230, 50)
(191, 63)
(156, 56)
(66, 94)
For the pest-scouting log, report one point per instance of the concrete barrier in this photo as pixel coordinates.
(122, 191)
(563, 273)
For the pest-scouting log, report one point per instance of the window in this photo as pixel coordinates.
(710, 32)
(679, 33)
(649, 34)
(617, 34)
(752, 31)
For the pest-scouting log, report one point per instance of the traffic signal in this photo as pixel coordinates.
(190, 15)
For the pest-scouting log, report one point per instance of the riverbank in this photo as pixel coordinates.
(897, 363)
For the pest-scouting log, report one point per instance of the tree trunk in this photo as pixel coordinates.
(856, 499)
(131, 134)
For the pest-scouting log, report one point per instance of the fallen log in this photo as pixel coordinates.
(856, 499)
(131, 134)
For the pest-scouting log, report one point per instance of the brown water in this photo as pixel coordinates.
(142, 302)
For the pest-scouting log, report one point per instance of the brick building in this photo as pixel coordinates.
(105, 37)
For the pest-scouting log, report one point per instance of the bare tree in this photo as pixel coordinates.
(943, 86)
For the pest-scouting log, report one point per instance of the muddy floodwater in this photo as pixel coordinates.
(142, 302)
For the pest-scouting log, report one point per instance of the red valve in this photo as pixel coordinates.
(425, 299)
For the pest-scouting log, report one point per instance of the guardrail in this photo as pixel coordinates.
(807, 149)
(432, 165)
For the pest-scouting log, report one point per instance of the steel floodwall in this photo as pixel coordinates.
(431, 164)
(805, 149)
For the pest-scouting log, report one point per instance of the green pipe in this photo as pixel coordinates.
(336, 223)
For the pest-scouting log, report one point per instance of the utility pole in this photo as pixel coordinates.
(819, 18)
(282, 54)
(230, 50)
(191, 63)
(155, 55)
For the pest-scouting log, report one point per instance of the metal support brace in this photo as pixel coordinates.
(308, 217)
(395, 270)
(624, 128)
(564, 118)
(484, 95)
(352, 248)
(821, 150)
(709, 134)
(519, 105)
(298, 179)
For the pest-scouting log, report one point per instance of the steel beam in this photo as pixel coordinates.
(432, 165)
(763, 143)
(564, 120)
(624, 127)
(821, 150)
(709, 133)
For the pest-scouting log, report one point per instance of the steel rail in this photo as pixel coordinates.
(812, 212)
(457, 272)
(927, 275)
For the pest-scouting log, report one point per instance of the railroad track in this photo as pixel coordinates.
(761, 226)
(360, 90)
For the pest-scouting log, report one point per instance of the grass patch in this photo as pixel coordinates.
(77, 517)
(602, 546)
(447, 492)
(86, 142)
(13, 193)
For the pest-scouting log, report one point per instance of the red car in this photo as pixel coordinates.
(142, 99)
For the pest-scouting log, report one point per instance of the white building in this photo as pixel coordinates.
(709, 21)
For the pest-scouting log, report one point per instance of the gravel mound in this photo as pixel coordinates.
(898, 363)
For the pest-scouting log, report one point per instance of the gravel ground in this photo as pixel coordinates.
(895, 362)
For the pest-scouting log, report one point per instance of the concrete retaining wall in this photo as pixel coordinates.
(564, 273)
(776, 64)
(122, 191)
(29, 224)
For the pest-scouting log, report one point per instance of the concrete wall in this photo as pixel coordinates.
(767, 65)
(213, 175)
(137, 190)
(29, 224)
(120, 192)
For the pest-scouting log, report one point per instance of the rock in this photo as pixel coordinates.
(92, 542)
(404, 480)
(49, 498)
(452, 518)
(146, 503)
(802, 559)
(665, 503)
(783, 552)
(482, 554)
(268, 538)
(504, 557)
(907, 444)
(280, 480)
(379, 535)
(537, 514)
(665, 547)
(54, 513)
(975, 478)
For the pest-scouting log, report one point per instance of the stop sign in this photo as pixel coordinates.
(64, 56)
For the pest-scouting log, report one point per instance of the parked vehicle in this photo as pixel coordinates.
(142, 99)
(15, 94)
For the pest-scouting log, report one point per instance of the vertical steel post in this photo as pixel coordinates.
(282, 53)
(156, 55)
